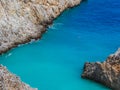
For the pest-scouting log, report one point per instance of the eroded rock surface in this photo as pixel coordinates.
(23, 20)
(107, 72)
(9, 81)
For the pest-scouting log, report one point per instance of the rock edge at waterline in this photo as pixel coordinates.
(106, 73)
(9, 81)
(24, 20)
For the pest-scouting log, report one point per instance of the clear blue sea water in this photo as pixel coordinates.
(88, 32)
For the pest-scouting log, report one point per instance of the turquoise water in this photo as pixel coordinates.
(88, 32)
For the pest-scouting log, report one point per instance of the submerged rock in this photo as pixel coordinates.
(107, 72)
(23, 20)
(9, 81)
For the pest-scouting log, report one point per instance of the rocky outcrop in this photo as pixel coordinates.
(23, 20)
(107, 72)
(9, 81)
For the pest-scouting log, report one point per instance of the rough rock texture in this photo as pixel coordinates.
(107, 72)
(9, 81)
(23, 20)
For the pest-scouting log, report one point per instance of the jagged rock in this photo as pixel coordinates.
(9, 81)
(107, 72)
(23, 20)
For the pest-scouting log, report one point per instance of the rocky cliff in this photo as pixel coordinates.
(9, 81)
(107, 72)
(20, 22)
(23, 20)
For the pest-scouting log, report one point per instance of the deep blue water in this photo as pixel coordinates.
(88, 32)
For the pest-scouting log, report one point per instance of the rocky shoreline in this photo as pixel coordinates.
(9, 81)
(24, 20)
(106, 73)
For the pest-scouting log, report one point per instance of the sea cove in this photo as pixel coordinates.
(88, 32)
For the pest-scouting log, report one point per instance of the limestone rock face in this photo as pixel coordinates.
(23, 20)
(9, 81)
(107, 72)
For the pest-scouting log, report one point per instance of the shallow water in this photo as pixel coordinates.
(88, 32)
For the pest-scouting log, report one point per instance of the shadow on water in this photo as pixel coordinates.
(84, 1)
